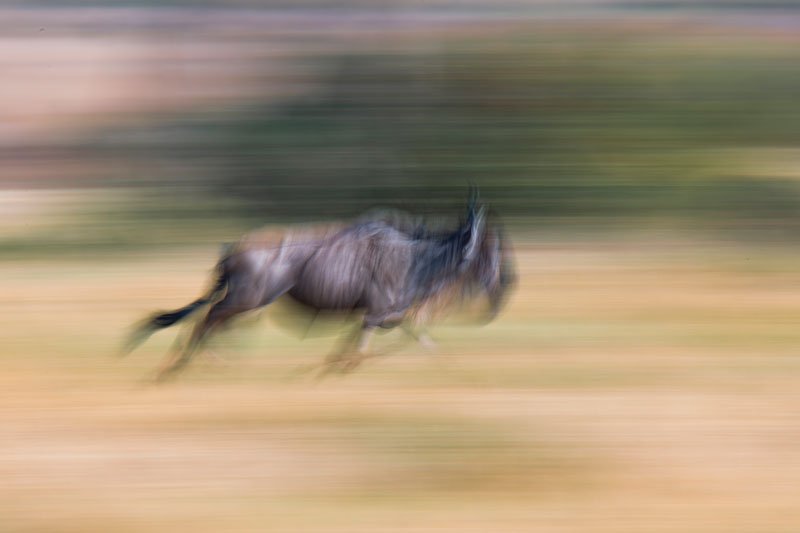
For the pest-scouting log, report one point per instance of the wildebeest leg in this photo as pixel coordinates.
(234, 303)
(364, 338)
(385, 320)
(361, 348)
(219, 313)
(340, 352)
(420, 335)
(352, 351)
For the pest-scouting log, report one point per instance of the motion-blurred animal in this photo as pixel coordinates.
(388, 272)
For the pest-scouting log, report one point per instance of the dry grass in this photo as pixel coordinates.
(627, 388)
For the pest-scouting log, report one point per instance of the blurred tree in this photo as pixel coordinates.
(581, 124)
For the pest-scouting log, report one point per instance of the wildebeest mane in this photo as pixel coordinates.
(437, 262)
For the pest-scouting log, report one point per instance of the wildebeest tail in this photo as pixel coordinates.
(168, 318)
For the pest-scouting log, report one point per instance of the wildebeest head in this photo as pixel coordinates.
(494, 271)
(490, 274)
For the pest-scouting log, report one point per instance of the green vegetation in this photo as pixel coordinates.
(551, 123)
(615, 124)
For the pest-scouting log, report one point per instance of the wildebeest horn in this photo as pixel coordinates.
(476, 221)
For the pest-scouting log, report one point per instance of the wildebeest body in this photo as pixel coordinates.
(373, 267)
(362, 267)
(369, 266)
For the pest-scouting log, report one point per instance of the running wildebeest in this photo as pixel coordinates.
(387, 272)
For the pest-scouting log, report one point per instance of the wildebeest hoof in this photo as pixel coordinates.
(348, 365)
(428, 344)
(216, 359)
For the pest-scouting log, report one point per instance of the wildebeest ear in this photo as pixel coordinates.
(476, 226)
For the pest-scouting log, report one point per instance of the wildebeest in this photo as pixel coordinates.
(389, 273)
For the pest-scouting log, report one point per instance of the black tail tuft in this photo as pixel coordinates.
(164, 320)
(169, 318)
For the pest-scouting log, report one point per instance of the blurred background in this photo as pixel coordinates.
(643, 155)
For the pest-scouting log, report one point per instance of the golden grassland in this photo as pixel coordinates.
(627, 387)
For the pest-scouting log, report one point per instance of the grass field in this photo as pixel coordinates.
(627, 387)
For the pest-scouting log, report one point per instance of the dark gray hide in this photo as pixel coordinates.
(370, 266)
